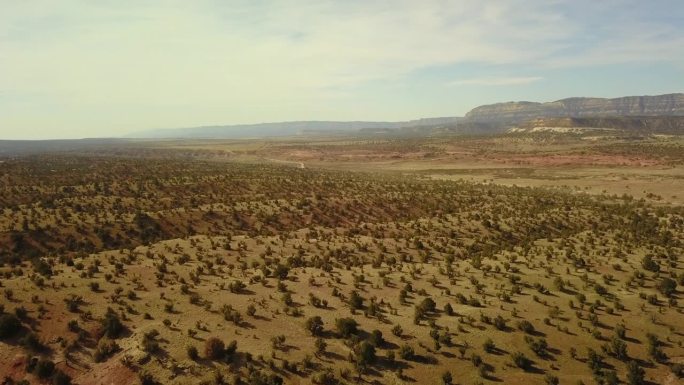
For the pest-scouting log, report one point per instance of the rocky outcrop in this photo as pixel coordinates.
(637, 124)
(515, 112)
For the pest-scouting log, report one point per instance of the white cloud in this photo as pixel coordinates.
(312, 44)
(496, 81)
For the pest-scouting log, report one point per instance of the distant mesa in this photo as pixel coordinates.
(517, 112)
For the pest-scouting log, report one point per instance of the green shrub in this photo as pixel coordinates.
(9, 325)
(521, 361)
(346, 326)
(192, 352)
(214, 349)
(44, 368)
(406, 352)
(111, 324)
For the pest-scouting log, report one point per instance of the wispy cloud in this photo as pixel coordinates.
(496, 81)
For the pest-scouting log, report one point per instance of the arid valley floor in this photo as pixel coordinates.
(530, 258)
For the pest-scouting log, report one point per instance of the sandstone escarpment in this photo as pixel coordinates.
(512, 112)
(638, 124)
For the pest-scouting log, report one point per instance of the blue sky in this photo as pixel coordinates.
(71, 69)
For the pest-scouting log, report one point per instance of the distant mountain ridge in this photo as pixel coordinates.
(288, 128)
(486, 119)
(515, 112)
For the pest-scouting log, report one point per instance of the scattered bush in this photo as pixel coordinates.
(346, 327)
(526, 326)
(406, 352)
(111, 324)
(9, 325)
(192, 352)
(521, 361)
(214, 349)
(314, 325)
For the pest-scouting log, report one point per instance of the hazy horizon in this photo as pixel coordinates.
(76, 69)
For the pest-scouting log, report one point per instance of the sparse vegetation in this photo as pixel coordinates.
(331, 276)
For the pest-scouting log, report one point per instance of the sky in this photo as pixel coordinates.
(74, 69)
